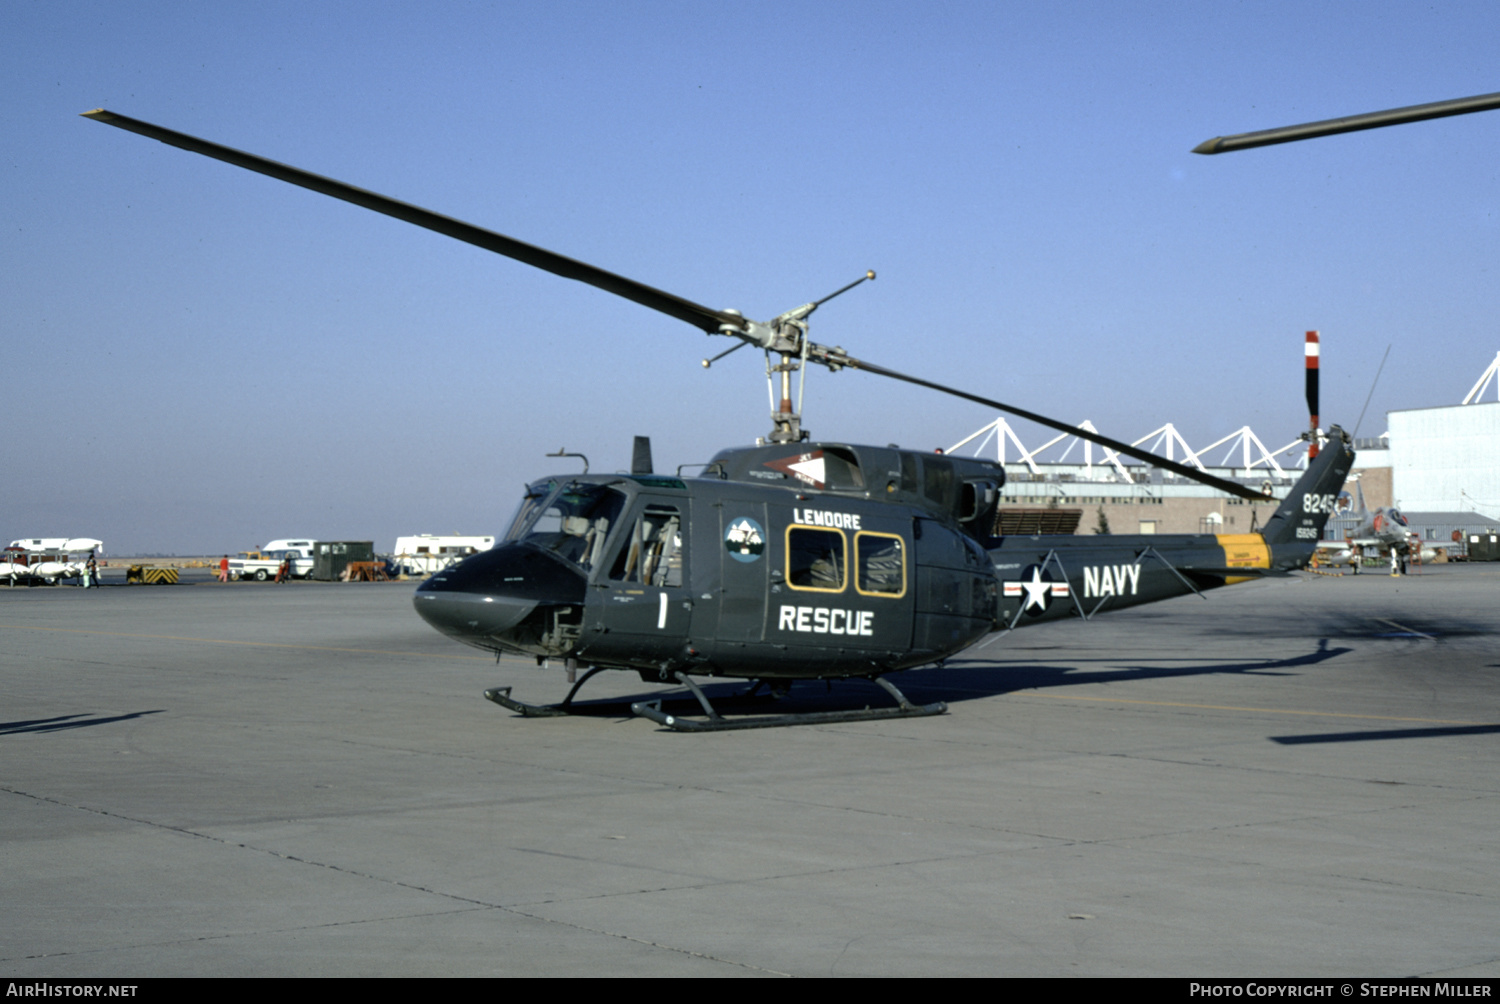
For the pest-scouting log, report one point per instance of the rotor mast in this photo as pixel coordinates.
(786, 336)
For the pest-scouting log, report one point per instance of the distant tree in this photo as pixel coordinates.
(1102, 524)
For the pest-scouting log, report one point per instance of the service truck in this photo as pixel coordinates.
(262, 563)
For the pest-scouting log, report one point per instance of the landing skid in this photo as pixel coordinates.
(501, 696)
(717, 723)
(714, 722)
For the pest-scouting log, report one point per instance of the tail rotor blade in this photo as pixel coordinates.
(1312, 351)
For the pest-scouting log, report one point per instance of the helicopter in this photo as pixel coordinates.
(792, 559)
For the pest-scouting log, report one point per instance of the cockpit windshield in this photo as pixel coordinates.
(569, 519)
(535, 496)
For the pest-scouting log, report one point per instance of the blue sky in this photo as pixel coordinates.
(202, 359)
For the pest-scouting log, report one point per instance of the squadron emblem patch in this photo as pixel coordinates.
(745, 540)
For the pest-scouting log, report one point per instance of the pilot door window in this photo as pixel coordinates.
(815, 559)
(652, 552)
(880, 564)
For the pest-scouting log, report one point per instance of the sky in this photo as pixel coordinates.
(202, 359)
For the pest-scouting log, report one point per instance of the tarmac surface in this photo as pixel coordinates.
(1294, 778)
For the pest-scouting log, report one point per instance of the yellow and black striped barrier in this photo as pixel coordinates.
(151, 575)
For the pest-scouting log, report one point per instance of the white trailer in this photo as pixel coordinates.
(427, 553)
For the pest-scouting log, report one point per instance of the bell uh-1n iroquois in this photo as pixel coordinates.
(793, 560)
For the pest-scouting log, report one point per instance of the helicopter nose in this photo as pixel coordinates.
(465, 614)
(483, 599)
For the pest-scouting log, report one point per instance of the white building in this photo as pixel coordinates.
(1447, 459)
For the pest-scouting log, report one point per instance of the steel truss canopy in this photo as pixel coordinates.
(1253, 452)
(1491, 373)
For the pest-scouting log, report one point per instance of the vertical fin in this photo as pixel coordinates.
(1294, 530)
(640, 456)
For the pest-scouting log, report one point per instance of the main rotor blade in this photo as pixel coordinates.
(1114, 444)
(695, 314)
(1349, 123)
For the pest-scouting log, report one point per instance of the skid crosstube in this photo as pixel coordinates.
(714, 722)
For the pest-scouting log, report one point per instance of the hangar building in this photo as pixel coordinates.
(1446, 459)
